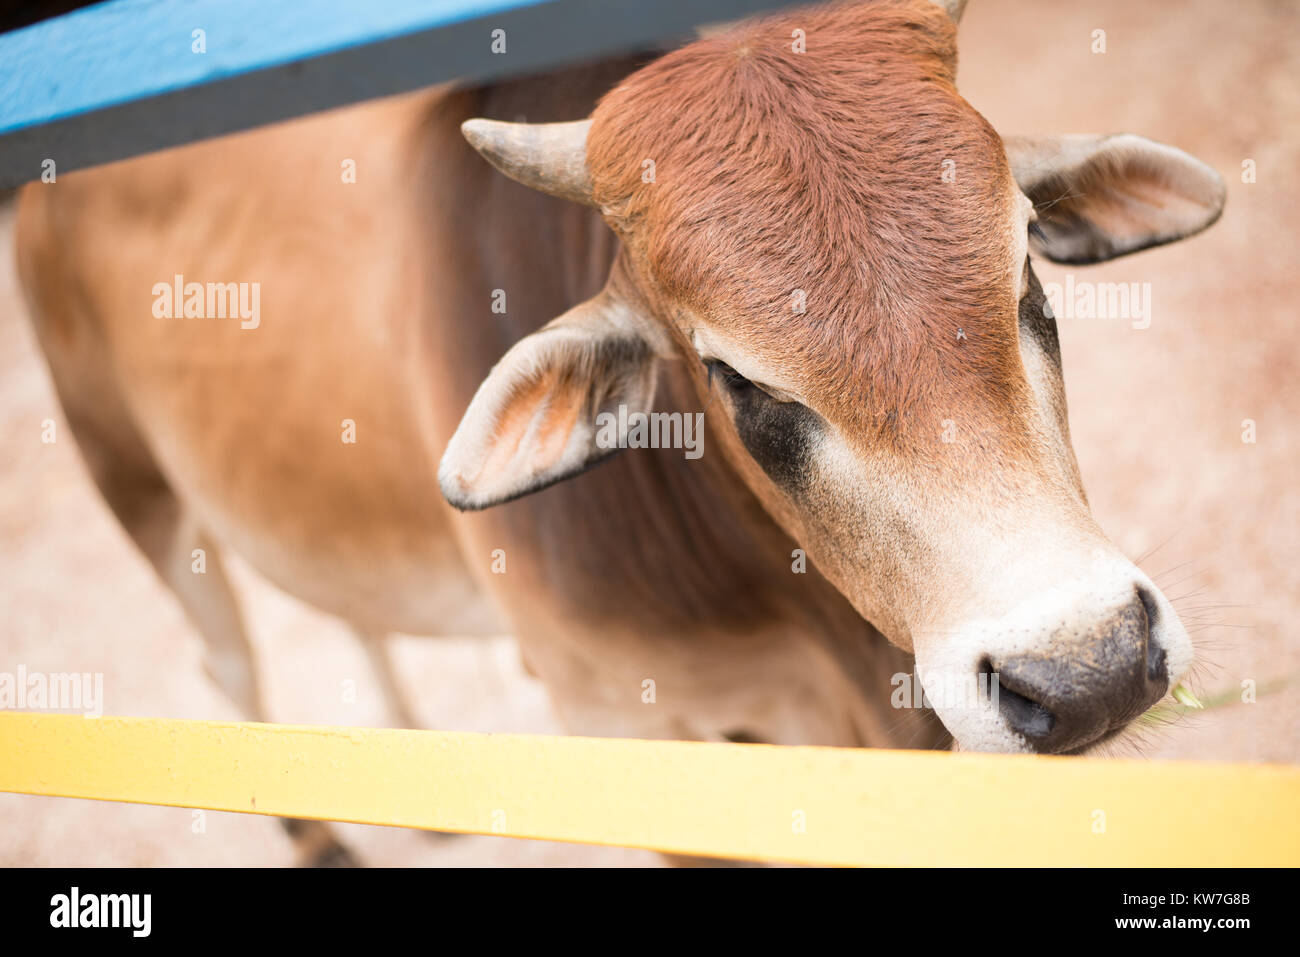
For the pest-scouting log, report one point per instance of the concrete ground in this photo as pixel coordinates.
(1156, 416)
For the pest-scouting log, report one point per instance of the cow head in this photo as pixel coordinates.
(837, 245)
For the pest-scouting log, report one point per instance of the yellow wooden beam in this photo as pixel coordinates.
(808, 805)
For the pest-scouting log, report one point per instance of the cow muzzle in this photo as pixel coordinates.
(1061, 702)
(1063, 675)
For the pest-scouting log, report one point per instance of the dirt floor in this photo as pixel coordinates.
(1156, 415)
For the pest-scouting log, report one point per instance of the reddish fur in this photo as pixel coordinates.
(821, 171)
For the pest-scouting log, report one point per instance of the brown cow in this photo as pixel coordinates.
(823, 246)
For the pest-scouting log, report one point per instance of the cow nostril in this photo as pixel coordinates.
(1157, 669)
(1025, 715)
(1157, 666)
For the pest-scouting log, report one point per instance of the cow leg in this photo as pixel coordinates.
(228, 659)
(189, 562)
(181, 552)
(379, 650)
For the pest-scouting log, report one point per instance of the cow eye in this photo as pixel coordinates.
(732, 379)
(743, 389)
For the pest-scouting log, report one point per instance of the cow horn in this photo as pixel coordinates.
(550, 157)
(954, 8)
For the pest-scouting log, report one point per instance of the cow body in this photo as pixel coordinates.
(824, 247)
(376, 302)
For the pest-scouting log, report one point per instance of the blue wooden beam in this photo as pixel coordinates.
(131, 76)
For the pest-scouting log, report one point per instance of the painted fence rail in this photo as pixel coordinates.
(132, 76)
(760, 802)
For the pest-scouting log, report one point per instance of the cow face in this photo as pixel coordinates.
(838, 245)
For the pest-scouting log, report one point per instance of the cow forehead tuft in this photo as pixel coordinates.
(843, 208)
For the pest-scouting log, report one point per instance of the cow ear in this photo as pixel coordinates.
(539, 416)
(1102, 197)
